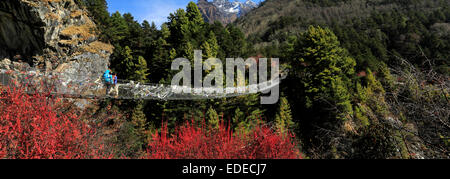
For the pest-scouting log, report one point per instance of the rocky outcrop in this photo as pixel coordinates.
(51, 35)
(210, 13)
(21, 30)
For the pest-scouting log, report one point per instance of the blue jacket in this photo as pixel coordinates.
(107, 77)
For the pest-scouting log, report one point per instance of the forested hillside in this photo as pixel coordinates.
(372, 30)
(363, 70)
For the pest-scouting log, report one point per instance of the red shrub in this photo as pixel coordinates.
(30, 128)
(192, 142)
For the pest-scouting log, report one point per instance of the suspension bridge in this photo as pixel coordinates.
(92, 87)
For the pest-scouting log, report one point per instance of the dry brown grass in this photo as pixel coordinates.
(97, 47)
(76, 13)
(84, 31)
(68, 42)
(349, 127)
(47, 1)
(52, 15)
(78, 34)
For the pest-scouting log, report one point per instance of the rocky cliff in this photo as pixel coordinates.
(211, 13)
(50, 35)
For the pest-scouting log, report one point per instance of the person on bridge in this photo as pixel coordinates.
(115, 87)
(107, 77)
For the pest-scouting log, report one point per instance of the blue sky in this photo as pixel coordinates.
(151, 10)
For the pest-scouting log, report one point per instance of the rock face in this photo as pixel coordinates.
(51, 35)
(224, 11)
(21, 30)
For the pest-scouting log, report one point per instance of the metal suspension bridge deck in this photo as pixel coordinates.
(91, 87)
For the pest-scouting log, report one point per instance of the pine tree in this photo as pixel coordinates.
(139, 125)
(138, 118)
(150, 35)
(136, 35)
(196, 24)
(116, 34)
(186, 51)
(212, 40)
(207, 51)
(210, 47)
(161, 57)
(376, 95)
(223, 39)
(213, 118)
(283, 120)
(126, 67)
(132, 68)
(117, 29)
(165, 31)
(326, 67)
(341, 99)
(387, 79)
(140, 70)
(178, 27)
(195, 17)
(238, 43)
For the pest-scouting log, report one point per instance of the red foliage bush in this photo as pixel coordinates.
(193, 142)
(30, 128)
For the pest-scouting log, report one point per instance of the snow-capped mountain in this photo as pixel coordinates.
(225, 11)
(234, 7)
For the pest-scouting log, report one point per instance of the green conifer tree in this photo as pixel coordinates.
(138, 119)
(210, 47)
(327, 69)
(195, 17)
(132, 68)
(139, 125)
(125, 69)
(238, 43)
(213, 118)
(140, 70)
(212, 40)
(178, 27)
(283, 120)
(207, 51)
(117, 29)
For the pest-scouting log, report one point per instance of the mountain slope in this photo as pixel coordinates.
(224, 11)
(393, 39)
(300, 13)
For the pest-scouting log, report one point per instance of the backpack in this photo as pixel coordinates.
(107, 76)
